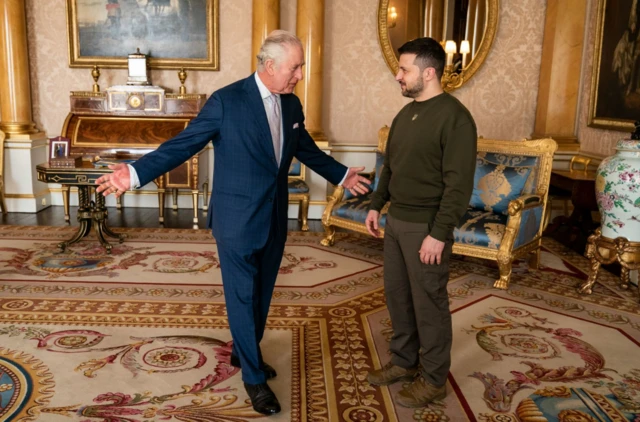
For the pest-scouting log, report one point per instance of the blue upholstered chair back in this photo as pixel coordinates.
(500, 178)
(295, 169)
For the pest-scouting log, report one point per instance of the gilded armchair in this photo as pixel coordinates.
(506, 214)
(299, 191)
(507, 211)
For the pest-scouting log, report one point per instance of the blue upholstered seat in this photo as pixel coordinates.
(481, 228)
(298, 186)
(356, 209)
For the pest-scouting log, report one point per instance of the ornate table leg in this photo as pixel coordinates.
(591, 255)
(84, 218)
(175, 199)
(119, 201)
(65, 202)
(100, 218)
(602, 250)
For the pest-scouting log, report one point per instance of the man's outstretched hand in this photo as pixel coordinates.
(115, 183)
(356, 183)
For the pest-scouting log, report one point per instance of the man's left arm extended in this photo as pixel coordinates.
(458, 167)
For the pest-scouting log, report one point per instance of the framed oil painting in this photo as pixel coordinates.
(173, 33)
(615, 92)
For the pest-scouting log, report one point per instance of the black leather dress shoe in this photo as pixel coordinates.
(269, 372)
(262, 399)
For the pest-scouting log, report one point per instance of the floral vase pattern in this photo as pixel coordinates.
(618, 191)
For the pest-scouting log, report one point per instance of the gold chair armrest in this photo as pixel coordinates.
(522, 203)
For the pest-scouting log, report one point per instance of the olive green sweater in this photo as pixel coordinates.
(429, 164)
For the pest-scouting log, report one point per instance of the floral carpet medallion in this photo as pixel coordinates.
(141, 335)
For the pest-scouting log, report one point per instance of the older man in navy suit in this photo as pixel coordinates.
(257, 127)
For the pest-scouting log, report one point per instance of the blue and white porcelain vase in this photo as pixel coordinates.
(618, 191)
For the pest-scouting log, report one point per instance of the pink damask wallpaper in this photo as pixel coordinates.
(595, 141)
(360, 94)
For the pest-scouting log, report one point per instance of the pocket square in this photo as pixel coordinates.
(295, 125)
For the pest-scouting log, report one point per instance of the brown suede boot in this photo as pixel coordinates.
(391, 373)
(420, 393)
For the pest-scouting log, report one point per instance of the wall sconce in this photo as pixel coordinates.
(450, 78)
(393, 16)
(465, 49)
(450, 48)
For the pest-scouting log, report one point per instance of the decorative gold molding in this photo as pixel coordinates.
(174, 96)
(452, 80)
(88, 94)
(28, 148)
(27, 195)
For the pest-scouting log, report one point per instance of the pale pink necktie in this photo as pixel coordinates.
(274, 125)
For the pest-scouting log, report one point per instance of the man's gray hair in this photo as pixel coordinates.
(273, 47)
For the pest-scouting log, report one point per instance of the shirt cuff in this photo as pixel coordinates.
(343, 178)
(134, 182)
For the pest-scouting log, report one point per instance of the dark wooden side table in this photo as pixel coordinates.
(579, 225)
(89, 212)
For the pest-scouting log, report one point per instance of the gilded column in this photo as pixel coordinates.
(266, 18)
(310, 29)
(558, 93)
(15, 101)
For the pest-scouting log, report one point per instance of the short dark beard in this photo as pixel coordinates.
(415, 91)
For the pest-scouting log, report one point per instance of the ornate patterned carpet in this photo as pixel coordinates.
(141, 335)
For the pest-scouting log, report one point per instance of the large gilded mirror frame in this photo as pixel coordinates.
(451, 79)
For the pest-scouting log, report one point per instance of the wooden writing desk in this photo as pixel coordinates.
(127, 122)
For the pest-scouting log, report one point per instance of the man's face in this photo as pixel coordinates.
(409, 76)
(286, 74)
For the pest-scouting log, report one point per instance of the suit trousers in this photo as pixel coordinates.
(418, 301)
(248, 278)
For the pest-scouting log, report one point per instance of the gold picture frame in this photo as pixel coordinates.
(174, 34)
(615, 81)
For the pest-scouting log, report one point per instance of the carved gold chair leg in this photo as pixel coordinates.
(205, 195)
(504, 264)
(194, 194)
(161, 206)
(304, 212)
(329, 239)
(175, 199)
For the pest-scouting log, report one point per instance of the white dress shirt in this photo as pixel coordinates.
(265, 94)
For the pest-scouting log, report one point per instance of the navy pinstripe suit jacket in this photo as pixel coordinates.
(246, 178)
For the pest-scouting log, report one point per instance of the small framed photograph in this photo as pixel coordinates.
(59, 147)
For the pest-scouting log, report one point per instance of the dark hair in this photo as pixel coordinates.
(429, 53)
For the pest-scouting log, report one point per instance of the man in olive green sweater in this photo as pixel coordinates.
(428, 177)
